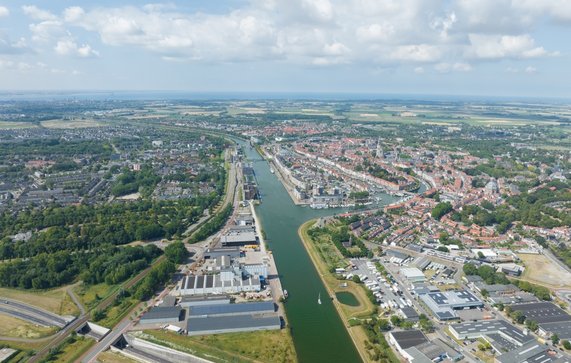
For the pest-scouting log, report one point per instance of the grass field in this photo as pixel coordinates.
(72, 352)
(92, 295)
(27, 346)
(539, 269)
(115, 314)
(7, 125)
(54, 300)
(260, 346)
(111, 357)
(16, 328)
(364, 309)
(71, 124)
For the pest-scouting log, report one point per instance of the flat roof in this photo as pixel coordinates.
(409, 338)
(491, 327)
(163, 312)
(219, 309)
(231, 322)
(523, 353)
(561, 328)
(412, 272)
(542, 312)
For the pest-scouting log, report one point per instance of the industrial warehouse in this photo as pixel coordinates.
(550, 318)
(214, 316)
(445, 304)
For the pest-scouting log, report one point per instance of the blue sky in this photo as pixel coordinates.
(466, 47)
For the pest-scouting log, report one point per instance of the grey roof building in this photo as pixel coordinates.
(188, 301)
(163, 314)
(531, 352)
(443, 304)
(407, 338)
(487, 328)
(232, 309)
(231, 324)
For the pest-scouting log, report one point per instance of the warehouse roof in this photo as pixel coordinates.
(490, 327)
(542, 312)
(531, 352)
(231, 322)
(221, 309)
(162, 312)
(408, 338)
(561, 328)
(412, 273)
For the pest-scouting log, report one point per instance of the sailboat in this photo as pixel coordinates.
(319, 299)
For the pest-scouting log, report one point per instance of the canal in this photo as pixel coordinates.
(317, 330)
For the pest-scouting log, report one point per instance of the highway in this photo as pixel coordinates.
(62, 335)
(45, 317)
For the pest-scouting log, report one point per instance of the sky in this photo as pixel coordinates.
(508, 48)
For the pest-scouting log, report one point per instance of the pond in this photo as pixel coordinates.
(347, 298)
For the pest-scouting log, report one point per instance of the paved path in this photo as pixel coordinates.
(107, 341)
(75, 299)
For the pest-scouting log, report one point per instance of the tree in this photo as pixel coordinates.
(441, 210)
(517, 316)
(470, 269)
(531, 325)
(384, 325)
(396, 320)
(566, 344)
(176, 252)
(356, 279)
(555, 339)
(485, 293)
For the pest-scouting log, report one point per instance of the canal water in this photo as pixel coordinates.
(317, 330)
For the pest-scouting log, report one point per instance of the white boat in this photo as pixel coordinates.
(285, 294)
(272, 170)
(319, 299)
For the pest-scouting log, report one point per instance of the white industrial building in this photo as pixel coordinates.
(224, 283)
(413, 274)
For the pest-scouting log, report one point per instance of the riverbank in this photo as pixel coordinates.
(332, 285)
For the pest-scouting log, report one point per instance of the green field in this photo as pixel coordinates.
(17, 328)
(54, 300)
(71, 352)
(260, 346)
(111, 357)
(7, 125)
(91, 295)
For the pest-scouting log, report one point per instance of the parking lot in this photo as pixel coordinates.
(388, 293)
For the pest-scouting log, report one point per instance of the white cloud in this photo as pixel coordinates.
(416, 53)
(37, 14)
(452, 67)
(9, 47)
(419, 70)
(22, 67)
(69, 47)
(375, 32)
(4, 11)
(312, 32)
(504, 46)
(73, 14)
(530, 70)
(47, 30)
(527, 70)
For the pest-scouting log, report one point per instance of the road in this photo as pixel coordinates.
(107, 341)
(45, 317)
(75, 325)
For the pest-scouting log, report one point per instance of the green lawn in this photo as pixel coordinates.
(260, 346)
